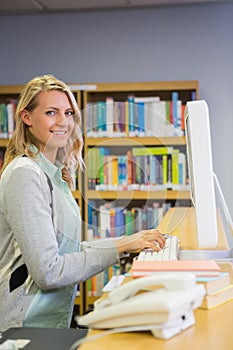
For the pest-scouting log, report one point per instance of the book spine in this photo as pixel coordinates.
(109, 116)
(10, 118)
(143, 151)
(131, 116)
(128, 222)
(141, 116)
(174, 108)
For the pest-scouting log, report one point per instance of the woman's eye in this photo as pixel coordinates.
(69, 113)
(51, 113)
(54, 113)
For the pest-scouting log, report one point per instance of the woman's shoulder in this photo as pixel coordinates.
(23, 161)
(20, 165)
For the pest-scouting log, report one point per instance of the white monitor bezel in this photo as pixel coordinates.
(200, 165)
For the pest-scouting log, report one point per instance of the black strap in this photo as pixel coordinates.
(19, 276)
(51, 191)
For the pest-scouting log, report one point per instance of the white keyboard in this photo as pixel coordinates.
(169, 252)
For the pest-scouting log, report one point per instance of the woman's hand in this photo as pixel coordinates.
(143, 239)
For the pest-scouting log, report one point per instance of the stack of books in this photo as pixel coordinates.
(218, 284)
(198, 267)
(218, 290)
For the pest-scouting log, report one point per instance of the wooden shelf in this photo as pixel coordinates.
(134, 195)
(10, 89)
(76, 194)
(143, 86)
(4, 142)
(135, 141)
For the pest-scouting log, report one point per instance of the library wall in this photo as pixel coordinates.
(152, 44)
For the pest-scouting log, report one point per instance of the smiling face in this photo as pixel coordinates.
(51, 122)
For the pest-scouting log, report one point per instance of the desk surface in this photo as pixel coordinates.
(212, 331)
(213, 328)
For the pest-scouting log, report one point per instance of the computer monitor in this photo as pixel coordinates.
(201, 175)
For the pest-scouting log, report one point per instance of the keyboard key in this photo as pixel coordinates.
(169, 252)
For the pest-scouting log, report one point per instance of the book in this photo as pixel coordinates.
(104, 220)
(141, 117)
(11, 106)
(145, 151)
(175, 167)
(214, 283)
(198, 267)
(101, 118)
(217, 298)
(226, 266)
(174, 107)
(128, 222)
(109, 115)
(131, 115)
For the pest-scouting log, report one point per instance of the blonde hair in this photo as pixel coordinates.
(22, 139)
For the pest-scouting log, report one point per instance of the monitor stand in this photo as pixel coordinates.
(225, 225)
(181, 222)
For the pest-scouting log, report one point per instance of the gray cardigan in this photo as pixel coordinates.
(41, 261)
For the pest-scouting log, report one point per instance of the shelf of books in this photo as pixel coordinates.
(8, 101)
(135, 155)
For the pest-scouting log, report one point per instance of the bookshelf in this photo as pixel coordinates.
(112, 134)
(8, 94)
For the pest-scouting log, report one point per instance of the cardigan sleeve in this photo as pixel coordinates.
(26, 203)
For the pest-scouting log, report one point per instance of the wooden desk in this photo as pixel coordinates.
(213, 328)
(212, 331)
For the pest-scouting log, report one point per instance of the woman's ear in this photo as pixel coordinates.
(25, 116)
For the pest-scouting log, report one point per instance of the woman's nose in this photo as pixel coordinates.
(61, 118)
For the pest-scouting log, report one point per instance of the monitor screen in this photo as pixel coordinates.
(200, 165)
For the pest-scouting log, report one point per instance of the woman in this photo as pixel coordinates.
(42, 258)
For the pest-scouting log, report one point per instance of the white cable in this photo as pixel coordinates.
(224, 204)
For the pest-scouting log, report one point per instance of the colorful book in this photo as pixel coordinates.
(145, 151)
(217, 298)
(129, 168)
(198, 267)
(115, 171)
(128, 222)
(3, 121)
(10, 117)
(226, 266)
(214, 283)
(175, 167)
(119, 221)
(104, 221)
(131, 116)
(109, 116)
(101, 117)
(182, 169)
(101, 166)
(139, 109)
(157, 124)
(165, 169)
(174, 108)
(152, 164)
